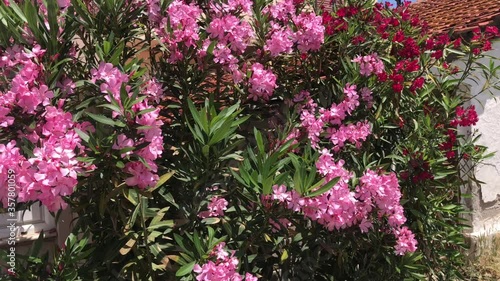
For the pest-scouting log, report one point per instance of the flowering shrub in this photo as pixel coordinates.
(239, 140)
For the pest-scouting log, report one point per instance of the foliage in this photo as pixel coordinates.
(240, 139)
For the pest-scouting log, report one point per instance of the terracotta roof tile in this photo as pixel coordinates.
(459, 15)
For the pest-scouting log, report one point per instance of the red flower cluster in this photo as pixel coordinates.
(333, 25)
(448, 145)
(483, 39)
(465, 117)
(419, 170)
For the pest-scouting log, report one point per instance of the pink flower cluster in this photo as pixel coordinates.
(370, 64)
(54, 167)
(10, 158)
(280, 40)
(309, 29)
(231, 32)
(406, 241)
(311, 32)
(51, 172)
(334, 116)
(262, 83)
(26, 92)
(281, 10)
(216, 208)
(354, 133)
(179, 29)
(223, 269)
(339, 207)
(112, 81)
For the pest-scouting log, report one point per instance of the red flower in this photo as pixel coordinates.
(358, 40)
(398, 88)
(394, 22)
(429, 44)
(437, 54)
(413, 66)
(443, 39)
(398, 37)
(397, 78)
(382, 77)
(450, 154)
(491, 31)
(487, 46)
(417, 84)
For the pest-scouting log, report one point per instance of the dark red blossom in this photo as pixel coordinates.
(399, 36)
(398, 88)
(429, 44)
(437, 54)
(397, 78)
(442, 39)
(382, 77)
(298, 2)
(394, 22)
(358, 40)
(411, 49)
(487, 46)
(465, 117)
(450, 154)
(415, 21)
(417, 84)
(447, 146)
(419, 170)
(347, 11)
(491, 31)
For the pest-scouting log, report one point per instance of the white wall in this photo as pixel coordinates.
(485, 204)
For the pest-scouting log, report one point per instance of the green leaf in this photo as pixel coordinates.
(284, 255)
(164, 178)
(211, 220)
(113, 107)
(185, 269)
(324, 188)
(260, 142)
(84, 136)
(101, 119)
(197, 243)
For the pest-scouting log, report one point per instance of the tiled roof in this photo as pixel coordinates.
(459, 15)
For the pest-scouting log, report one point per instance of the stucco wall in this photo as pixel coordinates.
(485, 202)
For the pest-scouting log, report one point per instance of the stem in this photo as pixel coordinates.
(145, 237)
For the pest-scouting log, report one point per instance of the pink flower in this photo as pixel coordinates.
(310, 34)
(406, 241)
(280, 41)
(141, 176)
(281, 10)
(262, 83)
(369, 64)
(223, 269)
(280, 193)
(63, 3)
(123, 142)
(216, 208)
(366, 96)
(277, 226)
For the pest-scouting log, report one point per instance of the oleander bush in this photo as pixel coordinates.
(239, 140)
